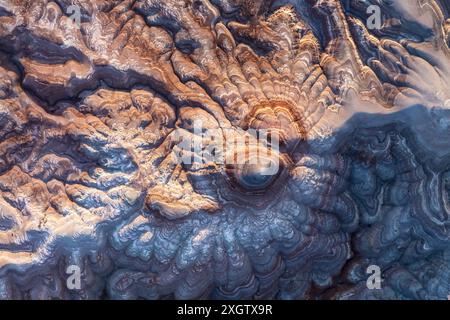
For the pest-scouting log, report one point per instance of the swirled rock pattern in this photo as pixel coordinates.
(92, 108)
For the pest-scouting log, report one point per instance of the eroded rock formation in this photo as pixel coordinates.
(91, 114)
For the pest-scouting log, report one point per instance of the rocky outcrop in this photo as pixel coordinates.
(98, 97)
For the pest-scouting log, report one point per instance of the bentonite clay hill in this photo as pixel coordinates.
(97, 96)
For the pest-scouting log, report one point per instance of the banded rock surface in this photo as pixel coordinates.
(91, 116)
